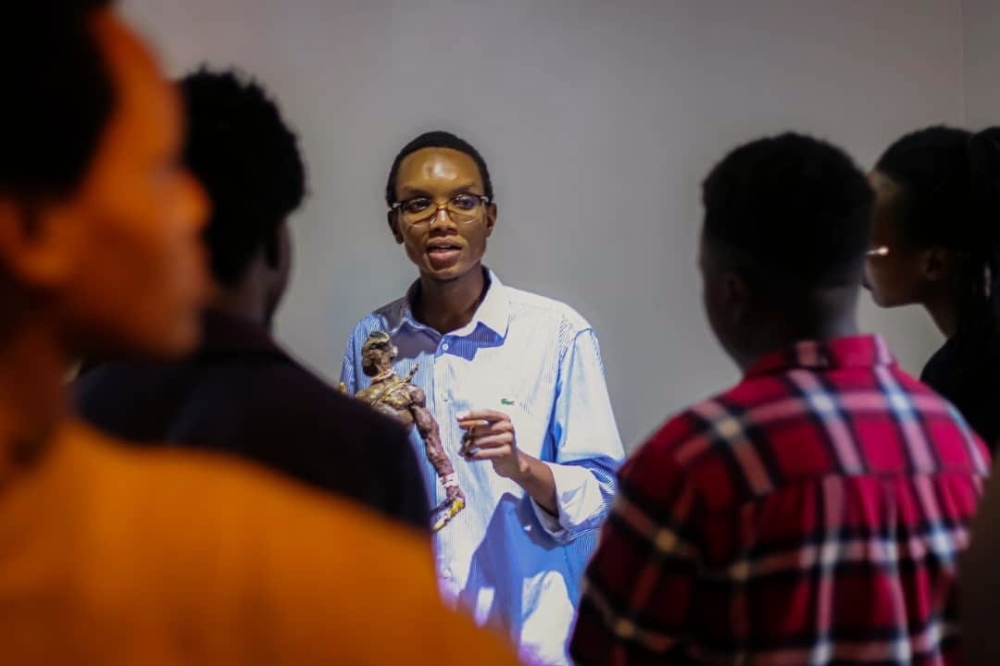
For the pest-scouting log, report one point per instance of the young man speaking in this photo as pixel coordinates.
(516, 384)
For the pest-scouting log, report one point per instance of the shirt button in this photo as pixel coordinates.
(446, 574)
(445, 347)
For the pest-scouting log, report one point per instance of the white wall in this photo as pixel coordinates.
(981, 19)
(598, 120)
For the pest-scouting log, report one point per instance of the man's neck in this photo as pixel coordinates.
(943, 310)
(448, 306)
(785, 337)
(244, 302)
(33, 401)
(828, 315)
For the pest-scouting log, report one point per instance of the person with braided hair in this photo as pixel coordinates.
(935, 242)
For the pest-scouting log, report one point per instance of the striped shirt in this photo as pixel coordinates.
(504, 558)
(811, 515)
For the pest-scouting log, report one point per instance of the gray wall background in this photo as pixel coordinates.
(598, 120)
(981, 23)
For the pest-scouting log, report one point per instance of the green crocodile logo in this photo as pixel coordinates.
(506, 402)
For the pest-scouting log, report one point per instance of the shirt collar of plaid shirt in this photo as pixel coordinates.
(859, 351)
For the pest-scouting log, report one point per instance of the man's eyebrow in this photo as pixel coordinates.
(410, 192)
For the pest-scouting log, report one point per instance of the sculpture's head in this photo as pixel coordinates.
(377, 353)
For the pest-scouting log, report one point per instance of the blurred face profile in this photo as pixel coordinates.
(139, 277)
(892, 269)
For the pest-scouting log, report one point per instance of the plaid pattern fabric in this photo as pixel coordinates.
(811, 515)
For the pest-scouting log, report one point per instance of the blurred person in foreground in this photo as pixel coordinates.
(240, 392)
(111, 555)
(812, 514)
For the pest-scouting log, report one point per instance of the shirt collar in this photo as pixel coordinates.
(493, 312)
(860, 351)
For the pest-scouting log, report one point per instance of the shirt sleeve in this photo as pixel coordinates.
(588, 448)
(639, 588)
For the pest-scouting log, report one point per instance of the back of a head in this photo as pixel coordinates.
(791, 210)
(59, 96)
(247, 158)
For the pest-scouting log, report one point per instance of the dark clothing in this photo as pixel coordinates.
(241, 394)
(974, 391)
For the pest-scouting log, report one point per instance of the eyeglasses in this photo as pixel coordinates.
(461, 208)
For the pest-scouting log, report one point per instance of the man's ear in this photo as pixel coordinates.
(39, 243)
(491, 218)
(934, 263)
(393, 219)
(737, 298)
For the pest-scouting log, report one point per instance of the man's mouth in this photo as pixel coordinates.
(443, 254)
(442, 246)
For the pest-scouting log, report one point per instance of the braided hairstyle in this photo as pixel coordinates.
(949, 182)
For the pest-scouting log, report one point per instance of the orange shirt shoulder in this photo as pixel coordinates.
(116, 555)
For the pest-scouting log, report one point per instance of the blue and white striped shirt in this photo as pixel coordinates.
(504, 558)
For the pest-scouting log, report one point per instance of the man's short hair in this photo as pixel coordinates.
(794, 208)
(58, 96)
(247, 159)
(437, 139)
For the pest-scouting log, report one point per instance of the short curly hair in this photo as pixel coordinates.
(248, 160)
(796, 208)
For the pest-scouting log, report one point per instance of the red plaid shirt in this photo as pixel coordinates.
(811, 515)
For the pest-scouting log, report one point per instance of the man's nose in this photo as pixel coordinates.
(442, 219)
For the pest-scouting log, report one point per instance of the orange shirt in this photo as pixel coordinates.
(112, 555)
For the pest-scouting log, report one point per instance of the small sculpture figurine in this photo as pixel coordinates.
(397, 397)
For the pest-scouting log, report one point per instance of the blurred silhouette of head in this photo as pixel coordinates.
(247, 158)
(100, 222)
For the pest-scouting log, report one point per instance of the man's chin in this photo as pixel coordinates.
(881, 301)
(449, 274)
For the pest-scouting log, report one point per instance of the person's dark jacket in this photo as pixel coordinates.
(242, 394)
